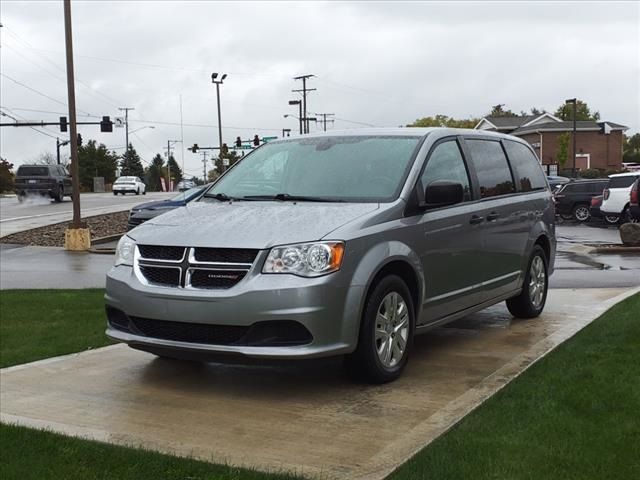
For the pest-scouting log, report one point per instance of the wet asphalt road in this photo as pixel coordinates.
(41, 267)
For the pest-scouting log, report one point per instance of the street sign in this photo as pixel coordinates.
(268, 139)
(118, 122)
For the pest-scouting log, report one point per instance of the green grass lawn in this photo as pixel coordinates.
(36, 324)
(575, 414)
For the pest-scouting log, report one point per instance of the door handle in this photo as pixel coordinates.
(493, 216)
(475, 219)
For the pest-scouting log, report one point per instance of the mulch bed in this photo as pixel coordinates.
(53, 235)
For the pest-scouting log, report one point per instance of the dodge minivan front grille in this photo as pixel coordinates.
(195, 268)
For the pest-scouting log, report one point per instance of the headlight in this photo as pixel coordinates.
(124, 251)
(305, 259)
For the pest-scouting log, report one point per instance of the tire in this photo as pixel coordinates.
(144, 192)
(21, 197)
(530, 302)
(581, 213)
(138, 191)
(611, 219)
(626, 216)
(115, 194)
(379, 356)
(566, 216)
(60, 196)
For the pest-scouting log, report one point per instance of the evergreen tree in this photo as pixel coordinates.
(176, 172)
(155, 171)
(96, 161)
(130, 164)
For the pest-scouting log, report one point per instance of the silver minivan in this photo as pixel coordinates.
(345, 243)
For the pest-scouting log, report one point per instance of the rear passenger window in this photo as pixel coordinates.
(526, 167)
(446, 163)
(492, 168)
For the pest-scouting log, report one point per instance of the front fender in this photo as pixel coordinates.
(371, 263)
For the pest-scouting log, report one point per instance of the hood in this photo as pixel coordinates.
(248, 224)
(158, 204)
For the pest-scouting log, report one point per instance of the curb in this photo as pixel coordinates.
(101, 240)
(615, 249)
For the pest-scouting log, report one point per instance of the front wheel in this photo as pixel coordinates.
(386, 333)
(60, 196)
(530, 302)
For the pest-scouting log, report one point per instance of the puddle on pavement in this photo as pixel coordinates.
(616, 262)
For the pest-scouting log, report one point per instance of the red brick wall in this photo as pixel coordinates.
(605, 150)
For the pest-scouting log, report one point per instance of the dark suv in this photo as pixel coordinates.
(50, 180)
(574, 199)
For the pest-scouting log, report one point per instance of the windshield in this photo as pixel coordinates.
(341, 168)
(188, 195)
(125, 180)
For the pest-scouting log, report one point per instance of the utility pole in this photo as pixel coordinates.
(169, 142)
(204, 166)
(299, 103)
(324, 119)
(126, 124)
(304, 92)
(214, 77)
(71, 94)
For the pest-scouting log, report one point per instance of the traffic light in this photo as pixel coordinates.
(238, 142)
(63, 124)
(256, 141)
(224, 149)
(195, 148)
(106, 125)
(79, 140)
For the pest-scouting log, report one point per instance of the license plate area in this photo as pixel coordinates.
(31, 182)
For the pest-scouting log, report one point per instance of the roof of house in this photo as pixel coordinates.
(564, 126)
(513, 122)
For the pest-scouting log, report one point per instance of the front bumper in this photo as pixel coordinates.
(326, 306)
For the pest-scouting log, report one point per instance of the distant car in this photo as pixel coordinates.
(634, 202)
(129, 185)
(184, 185)
(141, 213)
(555, 181)
(617, 195)
(573, 199)
(595, 212)
(48, 180)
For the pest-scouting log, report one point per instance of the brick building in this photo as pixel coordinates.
(598, 144)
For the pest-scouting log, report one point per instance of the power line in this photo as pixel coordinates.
(304, 91)
(324, 119)
(4, 114)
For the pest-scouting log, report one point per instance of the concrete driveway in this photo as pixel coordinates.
(306, 418)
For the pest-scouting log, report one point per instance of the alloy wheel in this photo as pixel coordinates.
(581, 213)
(537, 281)
(392, 329)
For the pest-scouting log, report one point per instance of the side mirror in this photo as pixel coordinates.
(442, 193)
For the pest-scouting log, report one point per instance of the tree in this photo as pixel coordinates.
(6, 176)
(130, 164)
(565, 112)
(498, 111)
(155, 171)
(631, 149)
(96, 161)
(176, 172)
(444, 121)
(563, 149)
(46, 158)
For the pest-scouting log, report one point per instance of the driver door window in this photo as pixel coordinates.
(446, 163)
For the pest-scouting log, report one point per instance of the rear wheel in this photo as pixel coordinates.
(581, 213)
(138, 191)
(115, 193)
(21, 197)
(627, 217)
(386, 333)
(530, 302)
(60, 196)
(612, 219)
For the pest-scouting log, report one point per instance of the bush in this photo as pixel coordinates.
(6, 176)
(590, 173)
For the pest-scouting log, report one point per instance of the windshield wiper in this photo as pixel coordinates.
(291, 198)
(223, 197)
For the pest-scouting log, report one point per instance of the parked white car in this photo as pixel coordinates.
(129, 185)
(615, 200)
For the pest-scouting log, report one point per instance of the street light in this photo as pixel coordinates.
(574, 101)
(299, 117)
(214, 77)
(141, 128)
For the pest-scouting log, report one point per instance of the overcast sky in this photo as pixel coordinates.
(379, 64)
